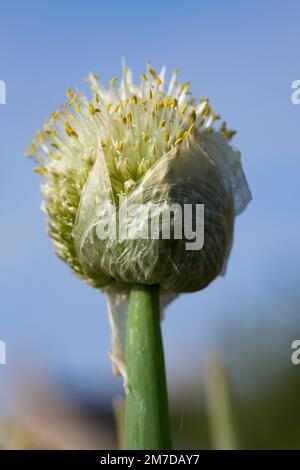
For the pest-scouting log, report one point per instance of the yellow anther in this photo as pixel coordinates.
(78, 106)
(152, 72)
(167, 137)
(134, 99)
(173, 102)
(125, 70)
(54, 145)
(71, 116)
(117, 107)
(51, 154)
(144, 77)
(55, 114)
(206, 111)
(94, 88)
(193, 116)
(153, 150)
(162, 123)
(150, 95)
(154, 105)
(166, 100)
(40, 136)
(143, 102)
(129, 117)
(228, 133)
(103, 144)
(126, 101)
(97, 97)
(190, 130)
(179, 134)
(124, 120)
(73, 100)
(108, 106)
(69, 93)
(178, 141)
(113, 80)
(91, 108)
(70, 131)
(146, 138)
(182, 108)
(203, 99)
(41, 170)
(159, 80)
(153, 114)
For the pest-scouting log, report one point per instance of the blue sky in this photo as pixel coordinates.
(244, 57)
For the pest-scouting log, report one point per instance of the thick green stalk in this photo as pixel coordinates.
(147, 423)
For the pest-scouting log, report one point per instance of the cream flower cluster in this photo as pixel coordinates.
(133, 124)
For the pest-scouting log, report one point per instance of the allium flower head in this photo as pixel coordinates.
(150, 142)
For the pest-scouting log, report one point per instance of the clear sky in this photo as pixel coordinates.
(244, 57)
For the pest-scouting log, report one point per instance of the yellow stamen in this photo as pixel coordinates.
(70, 131)
(113, 80)
(91, 108)
(193, 116)
(179, 134)
(73, 100)
(182, 108)
(40, 137)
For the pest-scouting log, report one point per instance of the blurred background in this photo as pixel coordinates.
(57, 389)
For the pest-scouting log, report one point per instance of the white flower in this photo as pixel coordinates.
(130, 128)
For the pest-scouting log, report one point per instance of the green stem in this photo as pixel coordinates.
(219, 404)
(146, 409)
